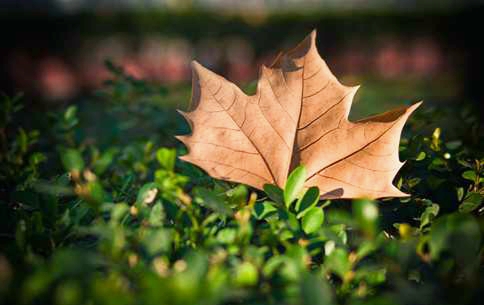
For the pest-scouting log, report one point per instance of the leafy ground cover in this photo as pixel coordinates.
(95, 208)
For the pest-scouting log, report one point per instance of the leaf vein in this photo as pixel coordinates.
(222, 146)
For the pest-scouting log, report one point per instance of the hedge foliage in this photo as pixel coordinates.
(95, 208)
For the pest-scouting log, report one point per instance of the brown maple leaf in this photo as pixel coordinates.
(299, 115)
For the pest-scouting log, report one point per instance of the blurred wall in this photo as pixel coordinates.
(56, 54)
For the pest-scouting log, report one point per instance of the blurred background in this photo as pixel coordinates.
(399, 50)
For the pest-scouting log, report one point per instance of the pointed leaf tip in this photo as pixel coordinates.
(313, 34)
(195, 64)
(182, 139)
(416, 105)
(198, 68)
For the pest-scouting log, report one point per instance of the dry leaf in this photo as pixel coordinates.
(299, 115)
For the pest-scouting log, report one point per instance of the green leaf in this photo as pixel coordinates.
(96, 191)
(421, 156)
(471, 202)
(101, 164)
(275, 193)
(157, 215)
(237, 196)
(70, 119)
(263, 209)
(210, 200)
(372, 276)
(157, 240)
(460, 193)
(118, 211)
(315, 290)
(365, 248)
(68, 293)
(459, 234)
(338, 262)
(469, 175)
(70, 113)
(366, 213)
(312, 220)
(429, 214)
(413, 182)
(309, 199)
(294, 185)
(147, 193)
(273, 264)
(453, 144)
(464, 163)
(21, 141)
(435, 145)
(72, 160)
(246, 274)
(166, 157)
(289, 218)
(298, 255)
(227, 236)
(37, 158)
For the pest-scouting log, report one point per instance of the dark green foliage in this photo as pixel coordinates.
(124, 222)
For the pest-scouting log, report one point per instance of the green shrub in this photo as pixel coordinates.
(90, 218)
